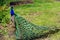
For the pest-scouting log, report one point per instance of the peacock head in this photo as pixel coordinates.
(11, 7)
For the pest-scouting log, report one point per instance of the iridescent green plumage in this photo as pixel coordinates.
(26, 30)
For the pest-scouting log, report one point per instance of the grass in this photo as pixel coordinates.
(45, 14)
(40, 13)
(55, 36)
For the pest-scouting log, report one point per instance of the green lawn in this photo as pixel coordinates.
(44, 14)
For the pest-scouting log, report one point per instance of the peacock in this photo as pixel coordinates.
(26, 30)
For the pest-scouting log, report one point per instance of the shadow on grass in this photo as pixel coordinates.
(46, 34)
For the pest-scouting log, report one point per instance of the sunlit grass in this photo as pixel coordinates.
(45, 14)
(55, 36)
(40, 13)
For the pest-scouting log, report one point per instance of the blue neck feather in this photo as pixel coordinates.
(12, 12)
